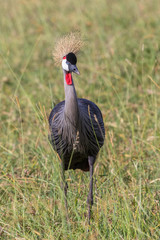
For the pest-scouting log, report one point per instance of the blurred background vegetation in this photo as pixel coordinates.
(120, 72)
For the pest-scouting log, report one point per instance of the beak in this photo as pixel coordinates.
(75, 70)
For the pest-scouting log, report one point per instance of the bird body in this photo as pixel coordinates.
(74, 141)
(76, 124)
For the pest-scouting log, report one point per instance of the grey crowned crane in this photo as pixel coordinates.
(76, 124)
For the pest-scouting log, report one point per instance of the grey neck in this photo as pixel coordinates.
(71, 110)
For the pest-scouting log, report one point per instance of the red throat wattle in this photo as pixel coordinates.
(69, 78)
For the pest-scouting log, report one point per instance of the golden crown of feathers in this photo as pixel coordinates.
(69, 43)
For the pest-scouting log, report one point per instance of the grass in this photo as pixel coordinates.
(120, 71)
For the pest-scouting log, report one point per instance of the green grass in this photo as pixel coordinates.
(120, 71)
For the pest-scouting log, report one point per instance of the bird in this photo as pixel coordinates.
(76, 127)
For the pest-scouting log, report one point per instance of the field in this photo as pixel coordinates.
(120, 72)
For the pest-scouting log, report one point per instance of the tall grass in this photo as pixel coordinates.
(120, 71)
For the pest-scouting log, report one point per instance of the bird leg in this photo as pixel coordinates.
(91, 161)
(64, 187)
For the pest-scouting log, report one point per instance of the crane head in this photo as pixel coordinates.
(69, 63)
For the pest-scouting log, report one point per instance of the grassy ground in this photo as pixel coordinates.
(120, 71)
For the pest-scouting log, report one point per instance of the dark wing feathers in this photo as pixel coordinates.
(92, 125)
(91, 134)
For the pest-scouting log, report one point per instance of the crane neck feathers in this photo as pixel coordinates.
(71, 103)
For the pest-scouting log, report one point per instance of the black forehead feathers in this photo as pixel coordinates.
(71, 57)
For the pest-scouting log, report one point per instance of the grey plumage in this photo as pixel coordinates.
(76, 128)
(89, 130)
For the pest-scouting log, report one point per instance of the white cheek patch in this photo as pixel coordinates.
(65, 65)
